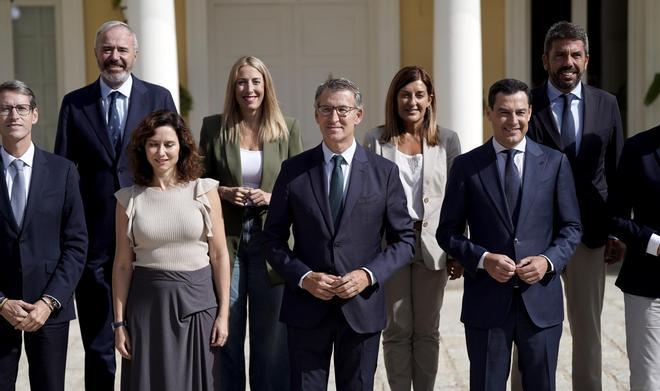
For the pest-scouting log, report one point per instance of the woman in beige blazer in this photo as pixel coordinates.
(244, 148)
(424, 153)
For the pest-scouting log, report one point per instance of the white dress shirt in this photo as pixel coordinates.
(577, 108)
(122, 100)
(28, 159)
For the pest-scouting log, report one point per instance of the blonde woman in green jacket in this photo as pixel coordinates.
(244, 148)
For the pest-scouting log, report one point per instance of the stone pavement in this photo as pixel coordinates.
(453, 365)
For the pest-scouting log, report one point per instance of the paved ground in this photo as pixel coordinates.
(453, 372)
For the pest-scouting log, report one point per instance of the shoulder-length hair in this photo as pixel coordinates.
(393, 124)
(188, 167)
(272, 127)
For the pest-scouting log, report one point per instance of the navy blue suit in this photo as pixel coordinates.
(45, 256)
(375, 205)
(82, 137)
(548, 223)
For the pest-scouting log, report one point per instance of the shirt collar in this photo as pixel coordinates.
(27, 157)
(124, 89)
(347, 154)
(554, 93)
(520, 147)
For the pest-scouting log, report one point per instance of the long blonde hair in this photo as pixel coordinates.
(272, 127)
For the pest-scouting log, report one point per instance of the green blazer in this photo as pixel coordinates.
(222, 161)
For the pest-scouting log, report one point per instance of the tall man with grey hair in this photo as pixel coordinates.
(43, 241)
(341, 201)
(583, 122)
(94, 131)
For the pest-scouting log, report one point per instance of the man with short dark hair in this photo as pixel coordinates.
(341, 201)
(43, 242)
(518, 199)
(583, 122)
(94, 131)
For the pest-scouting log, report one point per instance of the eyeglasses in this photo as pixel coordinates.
(22, 110)
(342, 111)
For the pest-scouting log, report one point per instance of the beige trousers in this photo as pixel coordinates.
(584, 288)
(411, 340)
(643, 341)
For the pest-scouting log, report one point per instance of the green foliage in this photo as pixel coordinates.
(653, 91)
(185, 101)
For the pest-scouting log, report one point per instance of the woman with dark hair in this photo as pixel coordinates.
(243, 149)
(170, 276)
(424, 152)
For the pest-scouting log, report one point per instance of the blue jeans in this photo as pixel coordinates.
(269, 359)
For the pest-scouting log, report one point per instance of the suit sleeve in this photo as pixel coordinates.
(615, 145)
(295, 138)
(451, 234)
(62, 137)
(453, 148)
(73, 237)
(168, 102)
(568, 230)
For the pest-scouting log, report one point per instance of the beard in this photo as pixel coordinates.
(563, 84)
(113, 78)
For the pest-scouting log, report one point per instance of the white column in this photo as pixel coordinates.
(518, 40)
(457, 69)
(153, 22)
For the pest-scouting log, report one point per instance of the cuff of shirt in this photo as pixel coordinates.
(654, 243)
(480, 265)
(58, 305)
(302, 278)
(371, 275)
(552, 267)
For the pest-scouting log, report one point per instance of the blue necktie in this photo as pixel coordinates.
(114, 124)
(568, 128)
(18, 197)
(512, 185)
(336, 194)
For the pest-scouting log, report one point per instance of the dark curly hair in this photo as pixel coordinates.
(188, 167)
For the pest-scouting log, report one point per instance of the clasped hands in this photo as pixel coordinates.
(242, 196)
(326, 286)
(25, 316)
(502, 268)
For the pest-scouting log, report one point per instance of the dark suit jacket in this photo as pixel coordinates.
(375, 204)
(595, 165)
(548, 224)
(222, 161)
(82, 137)
(637, 190)
(47, 254)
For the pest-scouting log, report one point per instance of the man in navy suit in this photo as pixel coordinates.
(94, 131)
(340, 200)
(635, 204)
(518, 200)
(43, 242)
(583, 122)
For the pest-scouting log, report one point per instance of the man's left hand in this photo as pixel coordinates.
(351, 284)
(35, 318)
(532, 269)
(615, 251)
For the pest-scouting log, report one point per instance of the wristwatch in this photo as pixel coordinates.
(116, 325)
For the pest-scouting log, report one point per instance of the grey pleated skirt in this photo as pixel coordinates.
(170, 315)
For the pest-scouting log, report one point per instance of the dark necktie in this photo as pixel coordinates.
(568, 128)
(114, 124)
(336, 194)
(512, 185)
(18, 198)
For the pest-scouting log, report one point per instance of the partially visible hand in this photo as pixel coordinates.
(351, 284)
(220, 332)
(499, 266)
(236, 195)
(615, 251)
(320, 285)
(35, 318)
(123, 342)
(532, 269)
(15, 311)
(454, 269)
(259, 197)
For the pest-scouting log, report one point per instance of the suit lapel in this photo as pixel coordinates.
(5, 202)
(271, 165)
(94, 113)
(136, 111)
(233, 155)
(319, 188)
(40, 173)
(546, 116)
(490, 178)
(535, 161)
(356, 180)
(588, 120)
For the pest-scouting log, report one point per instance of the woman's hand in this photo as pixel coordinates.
(220, 332)
(122, 342)
(259, 197)
(236, 195)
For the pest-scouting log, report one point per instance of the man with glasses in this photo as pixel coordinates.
(94, 130)
(341, 201)
(43, 242)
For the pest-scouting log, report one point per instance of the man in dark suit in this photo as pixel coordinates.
(94, 131)
(637, 190)
(340, 200)
(518, 199)
(43, 242)
(590, 133)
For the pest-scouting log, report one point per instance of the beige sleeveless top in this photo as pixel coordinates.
(169, 230)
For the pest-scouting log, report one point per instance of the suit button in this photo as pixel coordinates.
(426, 200)
(425, 224)
(515, 240)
